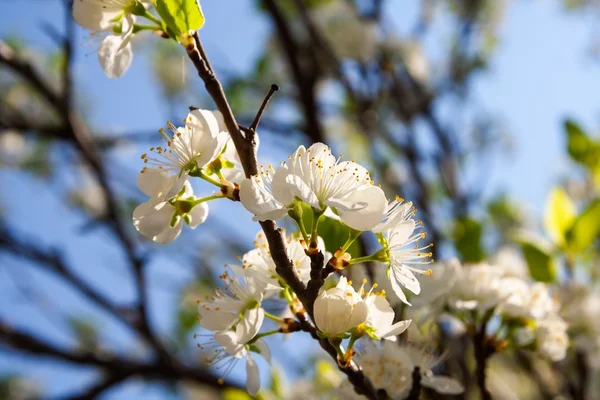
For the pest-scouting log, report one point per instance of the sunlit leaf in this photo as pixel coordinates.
(560, 215)
(235, 394)
(180, 16)
(540, 261)
(333, 233)
(586, 228)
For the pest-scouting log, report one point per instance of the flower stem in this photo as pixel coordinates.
(207, 178)
(352, 236)
(204, 199)
(152, 18)
(273, 317)
(262, 335)
(336, 343)
(138, 28)
(372, 257)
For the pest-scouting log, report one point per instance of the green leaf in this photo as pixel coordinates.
(586, 228)
(277, 382)
(540, 262)
(333, 232)
(235, 394)
(467, 239)
(180, 16)
(560, 215)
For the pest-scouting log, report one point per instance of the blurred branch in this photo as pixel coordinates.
(304, 81)
(76, 132)
(117, 369)
(54, 262)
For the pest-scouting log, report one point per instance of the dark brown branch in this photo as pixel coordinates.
(263, 106)
(483, 350)
(415, 390)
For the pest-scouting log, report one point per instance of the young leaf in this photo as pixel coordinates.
(467, 239)
(180, 16)
(585, 229)
(560, 215)
(541, 264)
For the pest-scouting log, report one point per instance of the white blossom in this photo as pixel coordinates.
(259, 264)
(162, 221)
(521, 300)
(381, 317)
(223, 311)
(320, 180)
(511, 262)
(236, 318)
(339, 309)
(477, 287)
(114, 18)
(228, 347)
(552, 338)
(402, 251)
(190, 148)
(435, 289)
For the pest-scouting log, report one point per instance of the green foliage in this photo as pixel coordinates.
(235, 394)
(560, 215)
(278, 384)
(180, 16)
(583, 149)
(585, 229)
(503, 213)
(467, 239)
(540, 261)
(333, 232)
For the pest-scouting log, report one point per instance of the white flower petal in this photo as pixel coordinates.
(94, 16)
(252, 376)
(298, 188)
(249, 326)
(228, 340)
(216, 321)
(442, 384)
(198, 215)
(365, 218)
(169, 235)
(280, 187)
(153, 219)
(400, 233)
(114, 55)
(264, 349)
(395, 330)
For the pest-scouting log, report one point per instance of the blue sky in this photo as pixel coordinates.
(539, 74)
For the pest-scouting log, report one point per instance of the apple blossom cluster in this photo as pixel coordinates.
(314, 179)
(529, 317)
(114, 22)
(235, 314)
(198, 149)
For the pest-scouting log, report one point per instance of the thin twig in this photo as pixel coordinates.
(263, 106)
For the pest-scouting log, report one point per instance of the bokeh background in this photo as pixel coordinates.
(458, 106)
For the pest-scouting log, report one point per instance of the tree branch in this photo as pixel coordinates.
(246, 148)
(119, 368)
